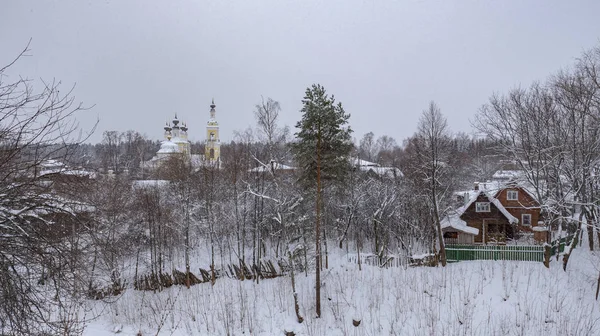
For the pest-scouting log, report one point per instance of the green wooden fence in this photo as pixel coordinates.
(458, 252)
(559, 244)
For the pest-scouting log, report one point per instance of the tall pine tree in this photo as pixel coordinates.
(322, 151)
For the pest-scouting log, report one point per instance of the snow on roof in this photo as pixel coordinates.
(65, 171)
(273, 165)
(178, 140)
(149, 183)
(453, 221)
(52, 163)
(363, 163)
(507, 174)
(511, 219)
(168, 147)
(491, 187)
(79, 172)
(495, 187)
(383, 171)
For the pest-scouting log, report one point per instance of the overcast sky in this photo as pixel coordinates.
(139, 62)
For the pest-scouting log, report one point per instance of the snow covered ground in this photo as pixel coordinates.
(466, 298)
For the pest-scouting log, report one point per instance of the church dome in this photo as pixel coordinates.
(168, 147)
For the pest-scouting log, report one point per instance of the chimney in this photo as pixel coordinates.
(476, 186)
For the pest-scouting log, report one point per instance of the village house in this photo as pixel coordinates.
(495, 213)
(272, 168)
(375, 169)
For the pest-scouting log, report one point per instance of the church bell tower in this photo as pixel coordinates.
(212, 146)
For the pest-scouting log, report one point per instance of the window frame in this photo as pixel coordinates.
(523, 219)
(478, 206)
(509, 192)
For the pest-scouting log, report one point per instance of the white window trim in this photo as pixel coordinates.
(479, 204)
(523, 220)
(508, 198)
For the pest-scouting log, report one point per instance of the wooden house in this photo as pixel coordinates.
(502, 215)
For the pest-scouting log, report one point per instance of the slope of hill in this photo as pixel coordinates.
(467, 298)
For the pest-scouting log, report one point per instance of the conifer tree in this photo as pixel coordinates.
(322, 151)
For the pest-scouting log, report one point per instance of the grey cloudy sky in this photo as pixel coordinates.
(141, 61)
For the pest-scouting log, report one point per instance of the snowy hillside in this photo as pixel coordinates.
(466, 298)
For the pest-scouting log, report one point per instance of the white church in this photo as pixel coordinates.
(176, 142)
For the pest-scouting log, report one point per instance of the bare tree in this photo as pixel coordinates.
(367, 148)
(35, 126)
(433, 141)
(267, 115)
(385, 147)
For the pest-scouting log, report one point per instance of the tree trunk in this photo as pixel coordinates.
(318, 231)
(358, 252)
(598, 287)
(590, 232)
(187, 244)
(439, 231)
(571, 248)
(305, 253)
(325, 245)
(376, 238)
(299, 318)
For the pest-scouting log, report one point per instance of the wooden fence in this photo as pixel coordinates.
(374, 260)
(558, 246)
(459, 252)
(456, 252)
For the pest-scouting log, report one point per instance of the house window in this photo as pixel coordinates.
(512, 195)
(451, 235)
(482, 206)
(526, 219)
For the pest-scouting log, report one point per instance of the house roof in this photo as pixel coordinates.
(367, 166)
(383, 171)
(492, 187)
(273, 165)
(453, 221)
(363, 163)
(507, 174)
(495, 187)
(141, 184)
(511, 219)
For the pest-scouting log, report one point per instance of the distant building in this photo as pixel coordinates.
(272, 167)
(375, 169)
(212, 147)
(176, 142)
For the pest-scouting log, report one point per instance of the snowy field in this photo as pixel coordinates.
(466, 298)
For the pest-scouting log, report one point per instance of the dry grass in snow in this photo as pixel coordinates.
(467, 298)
